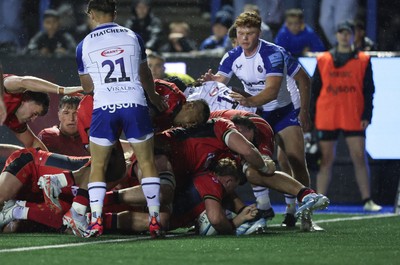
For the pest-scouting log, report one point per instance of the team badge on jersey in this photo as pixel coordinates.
(259, 69)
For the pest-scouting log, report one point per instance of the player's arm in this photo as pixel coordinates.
(87, 83)
(19, 84)
(239, 144)
(216, 216)
(269, 93)
(304, 85)
(29, 139)
(147, 81)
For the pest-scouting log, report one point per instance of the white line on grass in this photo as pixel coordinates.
(354, 218)
(78, 244)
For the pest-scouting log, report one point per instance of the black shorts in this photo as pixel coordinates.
(334, 135)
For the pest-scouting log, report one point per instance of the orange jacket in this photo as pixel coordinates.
(340, 104)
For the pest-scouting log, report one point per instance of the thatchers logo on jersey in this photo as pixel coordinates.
(112, 52)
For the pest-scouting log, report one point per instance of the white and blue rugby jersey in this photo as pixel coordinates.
(269, 60)
(217, 96)
(111, 55)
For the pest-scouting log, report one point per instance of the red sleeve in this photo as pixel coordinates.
(84, 115)
(265, 136)
(222, 127)
(209, 187)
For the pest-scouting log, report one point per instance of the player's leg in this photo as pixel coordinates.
(142, 142)
(290, 200)
(97, 184)
(291, 140)
(150, 180)
(356, 145)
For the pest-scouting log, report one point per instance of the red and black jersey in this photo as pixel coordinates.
(189, 201)
(264, 136)
(193, 150)
(29, 164)
(57, 142)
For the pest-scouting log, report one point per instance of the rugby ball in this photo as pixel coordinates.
(204, 226)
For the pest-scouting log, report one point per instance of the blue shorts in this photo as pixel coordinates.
(108, 122)
(281, 118)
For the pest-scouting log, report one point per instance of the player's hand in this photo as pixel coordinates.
(3, 112)
(208, 76)
(242, 100)
(248, 213)
(158, 101)
(305, 121)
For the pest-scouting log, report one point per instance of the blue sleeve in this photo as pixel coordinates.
(226, 63)
(273, 59)
(143, 56)
(78, 58)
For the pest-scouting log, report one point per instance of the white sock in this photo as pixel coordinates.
(290, 201)
(151, 190)
(78, 208)
(97, 192)
(262, 197)
(20, 213)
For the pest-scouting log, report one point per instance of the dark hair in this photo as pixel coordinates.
(206, 110)
(177, 81)
(232, 32)
(294, 12)
(51, 13)
(73, 101)
(39, 98)
(244, 121)
(105, 6)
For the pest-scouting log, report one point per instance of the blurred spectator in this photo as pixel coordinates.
(52, 41)
(310, 10)
(333, 12)
(178, 38)
(219, 39)
(64, 138)
(10, 25)
(144, 23)
(72, 13)
(361, 41)
(156, 64)
(297, 37)
(266, 33)
(271, 11)
(84, 29)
